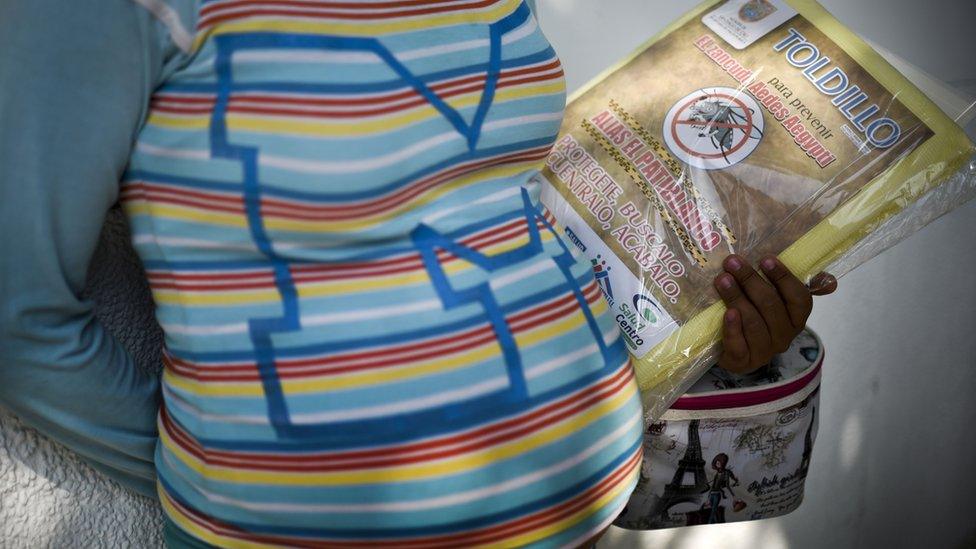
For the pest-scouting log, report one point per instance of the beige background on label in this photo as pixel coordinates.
(778, 193)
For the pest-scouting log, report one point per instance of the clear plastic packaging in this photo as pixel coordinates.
(752, 127)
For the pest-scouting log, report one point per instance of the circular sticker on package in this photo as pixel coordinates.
(714, 128)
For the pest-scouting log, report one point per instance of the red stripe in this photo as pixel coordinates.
(218, 287)
(217, 6)
(218, 527)
(164, 97)
(399, 197)
(540, 519)
(411, 263)
(223, 275)
(519, 320)
(476, 241)
(395, 459)
(212, 288)
(489, 534)
(236, 106)
(362, 113)
(272, 208)
(286, 208)
(622, 376)
(299, 371)
(470, 241)
(282, 207)
(180, 192)
(206, 103)
(416, 265)
(215, 17)
(381, 358)
(300, 271)
(591, 294)
(151, 196)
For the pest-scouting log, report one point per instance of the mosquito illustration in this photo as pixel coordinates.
(719, 121)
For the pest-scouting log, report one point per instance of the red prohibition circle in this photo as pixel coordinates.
(733, 150)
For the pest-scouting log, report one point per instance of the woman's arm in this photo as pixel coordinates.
(75, 78)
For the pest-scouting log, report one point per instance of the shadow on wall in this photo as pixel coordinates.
(48, 496)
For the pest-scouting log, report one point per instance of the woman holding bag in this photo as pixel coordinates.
(374, 335)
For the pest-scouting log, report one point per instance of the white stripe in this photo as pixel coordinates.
(550, 365)
(361, 314)
(318, 56)
(432, 401)
(316, 320)
(246, 101)
(496, 197)
(382, 100)
(305, 56)
(429, 401)
(163, 96)
(218, 285)
(459, 498)
(181, 115)
(521, 274)
(354, 166)
(150, 238)
(372, 314)
(221, 329)
(339, 317)
(520, 120)
(254, 271)
(171, 20)
(442, 49)
(439, 399)
(526, 29)
(378, 162)
(170, 152)
(609, 338)
(174, 400)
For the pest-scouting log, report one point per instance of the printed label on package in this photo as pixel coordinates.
(695, 149)
(742, 22)
(638, 314)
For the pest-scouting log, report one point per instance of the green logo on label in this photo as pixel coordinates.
(647, 309)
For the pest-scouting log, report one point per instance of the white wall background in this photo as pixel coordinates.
(893, 463)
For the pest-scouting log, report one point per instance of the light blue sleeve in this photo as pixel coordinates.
(75, 79)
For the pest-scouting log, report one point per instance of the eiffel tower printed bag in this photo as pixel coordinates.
(734, 448)
(752, 127)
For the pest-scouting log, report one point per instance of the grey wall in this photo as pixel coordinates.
(892, 465)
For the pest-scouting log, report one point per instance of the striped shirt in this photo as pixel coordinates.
(374, 334)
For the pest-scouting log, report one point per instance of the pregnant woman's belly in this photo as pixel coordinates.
(374, 333)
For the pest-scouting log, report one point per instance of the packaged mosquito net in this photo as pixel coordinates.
(753, 127)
